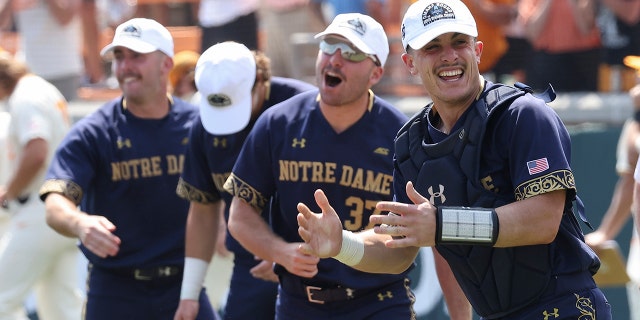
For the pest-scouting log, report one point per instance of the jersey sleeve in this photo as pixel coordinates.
(539, 152)
(73, 165)
(196, 183)
(252, 177)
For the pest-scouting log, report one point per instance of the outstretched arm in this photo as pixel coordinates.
(249, 228)
(95, 232)
(324, 237)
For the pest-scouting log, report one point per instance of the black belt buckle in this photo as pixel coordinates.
(310, 290)
(154, 273)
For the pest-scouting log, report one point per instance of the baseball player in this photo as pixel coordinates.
(227, 70)
(482, 174)
(340, 138)
(121, 164)
(32, 256)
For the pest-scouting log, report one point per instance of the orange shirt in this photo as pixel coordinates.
(491, 34)
(560, 33)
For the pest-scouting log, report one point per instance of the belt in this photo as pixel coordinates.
(317, 293)
(148, 274)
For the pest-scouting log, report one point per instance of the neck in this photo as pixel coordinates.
(342, 117)
(156, 108)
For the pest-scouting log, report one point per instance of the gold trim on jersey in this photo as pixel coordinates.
(557, 180)
(67, 188)
(189, 192)
(244, 191)
(169, 96)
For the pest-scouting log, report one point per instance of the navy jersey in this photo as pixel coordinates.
(525, 151)
(210, 158)
(125, 168)
(292, 151)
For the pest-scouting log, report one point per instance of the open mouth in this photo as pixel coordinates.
(450, 75)
(332, 81)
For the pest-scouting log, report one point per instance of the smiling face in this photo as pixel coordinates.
(448, 67)
(141, 75)
(342, 81)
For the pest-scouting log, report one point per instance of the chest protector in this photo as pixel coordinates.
(447, 173)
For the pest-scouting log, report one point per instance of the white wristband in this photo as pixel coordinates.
(352, 249)
(193, 278)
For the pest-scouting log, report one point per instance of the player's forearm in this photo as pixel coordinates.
(202, 230)
(377, 256)
(32, 162)
(457, 303)
(620, 207)
(531, 221)
(62, 215)
(249, 228)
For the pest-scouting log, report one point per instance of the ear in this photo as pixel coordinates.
(408, 62)
(479, 47)
(376, 75)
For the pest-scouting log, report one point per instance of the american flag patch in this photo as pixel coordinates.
(537, 166)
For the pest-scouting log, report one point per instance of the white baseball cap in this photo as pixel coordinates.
(141, 35)
(426, 20)
(225, 74)
(362, 31)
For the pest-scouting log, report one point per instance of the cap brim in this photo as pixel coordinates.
(225, 120)
(129, 43)
(421, 40)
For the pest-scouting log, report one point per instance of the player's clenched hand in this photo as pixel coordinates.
(297, 261)
(95, 233)
(321, 232)
(264, 271)
(187, 310)
(412, 224)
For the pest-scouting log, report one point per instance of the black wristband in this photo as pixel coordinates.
(463, 225)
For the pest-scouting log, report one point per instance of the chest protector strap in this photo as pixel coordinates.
(447, 173)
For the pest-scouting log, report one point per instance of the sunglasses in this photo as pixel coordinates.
(347, 52)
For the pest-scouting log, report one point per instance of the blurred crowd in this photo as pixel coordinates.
(577, 45)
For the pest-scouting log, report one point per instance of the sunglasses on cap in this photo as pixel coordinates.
(347, 52)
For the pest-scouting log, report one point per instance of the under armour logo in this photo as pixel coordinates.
(220, 142)
(349, 292)
(185, 141)
(299, 143)
(434, 195)
(555, 314)
(164, 271)
(123, 143)
(388, 294)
